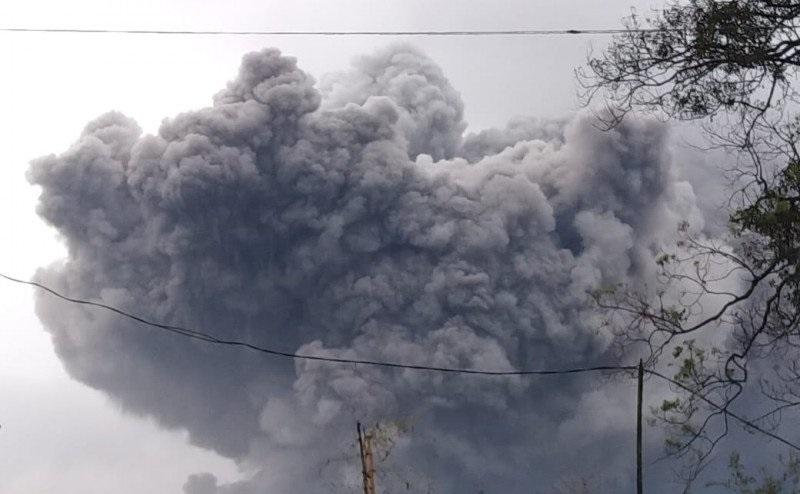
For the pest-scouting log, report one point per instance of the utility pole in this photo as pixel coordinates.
(367, 460)
(640, 386)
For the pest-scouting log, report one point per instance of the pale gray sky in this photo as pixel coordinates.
(60, 436)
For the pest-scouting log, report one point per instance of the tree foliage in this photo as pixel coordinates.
(766, 481)
(726, 312)
(698, 59)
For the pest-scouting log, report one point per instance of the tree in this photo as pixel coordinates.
(721, 308)
(767, 482)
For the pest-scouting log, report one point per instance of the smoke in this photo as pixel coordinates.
(354, 220)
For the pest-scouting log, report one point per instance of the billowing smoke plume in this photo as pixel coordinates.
(355, 220)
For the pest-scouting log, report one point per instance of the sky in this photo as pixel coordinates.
(61, 435)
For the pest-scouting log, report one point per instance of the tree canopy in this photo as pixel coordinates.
(725, 312)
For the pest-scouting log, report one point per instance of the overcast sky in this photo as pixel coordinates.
(60, 436)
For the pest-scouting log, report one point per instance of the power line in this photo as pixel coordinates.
(208, 338)
(512, 32)
(724, 410)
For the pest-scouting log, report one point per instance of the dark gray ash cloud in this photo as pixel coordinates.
(353, 219)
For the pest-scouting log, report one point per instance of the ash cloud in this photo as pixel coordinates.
(353, 219)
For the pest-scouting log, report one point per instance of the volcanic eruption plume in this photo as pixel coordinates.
(354, 219)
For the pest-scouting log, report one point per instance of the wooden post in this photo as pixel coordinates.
(370, 462)
(367, 460)
(640, 386)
